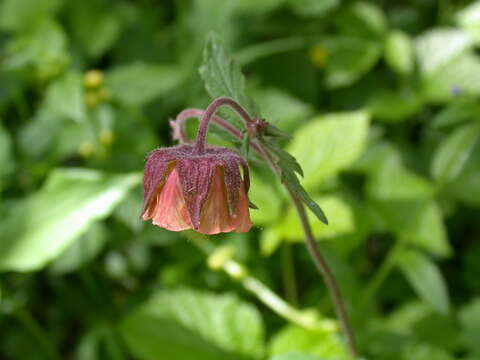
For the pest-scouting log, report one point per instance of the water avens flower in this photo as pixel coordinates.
(197, 186)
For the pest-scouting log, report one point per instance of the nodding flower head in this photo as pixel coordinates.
(185, 189)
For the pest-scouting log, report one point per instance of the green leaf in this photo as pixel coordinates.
(348, 59)
(470, 322)
(425, 352)
(453, 152)
(399, 52)
(466, 188)
(139, 83)
(6, 158)
(362, 19)
(469, 19)
(81, 251)
(328, 144)
(439, 47)
(65, 97)
(295, 356)
(43, 47)
(313, 8)
(188, 324)
(223, 77)
(457, 112)
(395, 105)
(322, 343)
(18, 14)
(426, 279)
(48, 222)
(95, 27)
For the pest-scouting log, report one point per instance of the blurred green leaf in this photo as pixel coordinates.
(95, 27)
(268, 198)
(223, 77)
(42, 47)
(81, 251)
(189, 324)
(466, 188)
(452, 153)
(139, 83)
(295, 356)
(469, 19)
(322, 343)
(6, 155)
(399, 52)
(18, 14)
(48, 222)
(425, 352)
(348, 58)
(363, 19)
(426, 279)
(312, 8)
(64, 97)
(457, 112)
(328, 144)
(395, 105)
(470, 321)
(439, 47)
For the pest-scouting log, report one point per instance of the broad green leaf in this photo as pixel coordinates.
(267, 196)
(281, 108)
(139, 83)
(49, 221)
(329, 144)
(95, 27)
(18, 14)
(294, 355)
(457, 112)
(395, 105)
(427, 231)
(81, 251)
(348, 58)
(189, 324)
(466, 188)
(223, 77)
(42, 47)
(426, 279)
(338, 210)
(470, 322)
(438, 47)
(362, 19)
(469, 19)
(452, 153)
(313, 8)
(425, 352)
(461, 76)
(65, 97)
(399, 52)
(324, 344)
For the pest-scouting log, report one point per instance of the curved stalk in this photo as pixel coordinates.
(311, 244)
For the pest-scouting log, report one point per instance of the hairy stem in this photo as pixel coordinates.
(311, 244)
(207, 116)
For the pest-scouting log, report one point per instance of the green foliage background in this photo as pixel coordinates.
(381, 100)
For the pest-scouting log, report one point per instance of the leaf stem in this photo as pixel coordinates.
(311, 244)
(288, 274)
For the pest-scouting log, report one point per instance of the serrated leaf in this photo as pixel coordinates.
(222, 76)
(425, 278)
(188, 324)
(42, 227)
(328, 144)
(452, 154)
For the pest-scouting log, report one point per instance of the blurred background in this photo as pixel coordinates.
(381, 98)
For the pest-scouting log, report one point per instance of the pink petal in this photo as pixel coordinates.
(215, 216)
(168, 209)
